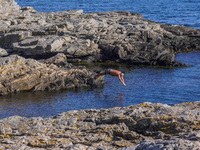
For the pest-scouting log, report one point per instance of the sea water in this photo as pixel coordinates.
(178, 12)
(144, 84)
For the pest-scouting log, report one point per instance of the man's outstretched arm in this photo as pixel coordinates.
(120, 78)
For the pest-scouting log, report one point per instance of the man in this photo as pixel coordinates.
(113, 73)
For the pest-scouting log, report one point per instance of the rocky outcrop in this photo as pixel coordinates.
(8, 10)
(20, 74)
(96, 37)
(8, 7)
(145, 126)
(122, 37)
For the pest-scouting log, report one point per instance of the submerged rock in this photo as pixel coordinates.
(145, 126)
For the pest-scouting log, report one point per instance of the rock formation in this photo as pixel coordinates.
(122, 37)
(20, 74)
(8, 7)
(95, 37)
(145, 126)
(29, 39)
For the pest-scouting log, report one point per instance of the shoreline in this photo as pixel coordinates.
(49, 42)
(76, 37)
(139, 127)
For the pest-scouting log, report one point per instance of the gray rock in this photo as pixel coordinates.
(3, 52)
(171, 144)
(96, 37)
(59, 60)
(110, 36)
(108, 129)
(8, 6)
(20, 74)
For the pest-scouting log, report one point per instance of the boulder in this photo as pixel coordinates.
(3, 52)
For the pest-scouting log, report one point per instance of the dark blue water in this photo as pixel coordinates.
(181, 12)
(169, 86)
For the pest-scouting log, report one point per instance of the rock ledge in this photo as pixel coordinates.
(145, 126)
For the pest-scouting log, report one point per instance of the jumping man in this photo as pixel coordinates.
(113, 73)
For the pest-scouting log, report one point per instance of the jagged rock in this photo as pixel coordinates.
(58, 59)
(7, 7)
(77, 50)
(110, 36)
(178, 144)
(145, 126)
(29, 9)
(96, 37)
(20, 74)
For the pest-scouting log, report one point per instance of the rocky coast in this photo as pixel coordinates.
(28, 38)
(145, 126)
(37, 52)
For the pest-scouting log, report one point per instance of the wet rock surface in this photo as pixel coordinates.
(145, 126)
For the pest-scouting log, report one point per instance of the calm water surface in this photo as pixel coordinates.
(181, 12)
(169, 86)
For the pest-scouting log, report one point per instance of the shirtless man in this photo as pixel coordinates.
(113, 73)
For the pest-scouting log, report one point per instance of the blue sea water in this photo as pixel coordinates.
(181, 12)
(158, 85)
